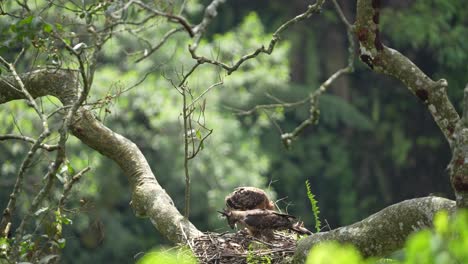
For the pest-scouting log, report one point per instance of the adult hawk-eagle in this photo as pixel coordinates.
(261, 222)
(248, 198)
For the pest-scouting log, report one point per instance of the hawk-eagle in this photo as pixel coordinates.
(261, 222)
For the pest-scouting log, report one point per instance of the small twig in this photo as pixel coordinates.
(314, 96)
(155, 48)
(208, 16)
(313, 118)
(186, 155)
(269, 106)
(18, 57)
(69, 185)
(200, 144)
(276, 37)
(204, 92)
(179, 19)
(342, 15)
(28, 139)
(11, 206)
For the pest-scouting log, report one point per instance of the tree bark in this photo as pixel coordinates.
(433, 94)
(379, 234)
(382, 232)
(149, 199)
(376, 235)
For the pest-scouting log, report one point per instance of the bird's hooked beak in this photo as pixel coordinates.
(223, 213)
(227, 214)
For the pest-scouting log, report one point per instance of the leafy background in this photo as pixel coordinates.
(375, 144)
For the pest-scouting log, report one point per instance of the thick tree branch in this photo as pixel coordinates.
(382, 232)
(433, 94)
(148, 197)
(388, 61)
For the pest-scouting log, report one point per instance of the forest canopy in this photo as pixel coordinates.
(159, 109)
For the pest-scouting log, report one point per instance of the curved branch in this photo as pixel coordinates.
(382, 232)
(388, 61)
(148, 197)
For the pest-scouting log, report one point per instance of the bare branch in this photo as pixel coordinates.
(204, 92)
(210, 13)
(269, 106)
(69, 185)
(8, 212)
(276, 37)
(28, 139)
(342, 16)
(186, 117)
(179, 19)
(148, 197)
(287, 138)
(155, 48)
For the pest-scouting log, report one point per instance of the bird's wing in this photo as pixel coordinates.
(264, 219)
(284, 215)
(245, 198)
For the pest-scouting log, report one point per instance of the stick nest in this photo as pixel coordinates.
(240, 247)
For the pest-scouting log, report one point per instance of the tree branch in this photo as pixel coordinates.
(29, 140)
(276, 37)
(388, 61)
(384, 231)
(148, 197)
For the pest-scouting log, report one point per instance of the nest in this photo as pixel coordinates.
(240, 247)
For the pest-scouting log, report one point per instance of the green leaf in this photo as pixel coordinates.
(313, 203)
(334, 253)
(61, 242)
(58, 26)
(26, 21)
(67, 221)
(70, 169)
(4, 244)
(167, 257)
(441, 222)
(47, 28)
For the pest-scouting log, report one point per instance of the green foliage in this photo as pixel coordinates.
(242, 150)
(253, 258)
(334, 253)
(181, 256)
(431, 24)
(314, 205)
(4, 247)
(334, 110)
(447, 243)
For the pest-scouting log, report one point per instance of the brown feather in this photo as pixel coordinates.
(262, 222)
(248, 198)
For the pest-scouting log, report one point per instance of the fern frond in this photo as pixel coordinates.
(315, 208)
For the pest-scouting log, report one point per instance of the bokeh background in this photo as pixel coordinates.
(375, 144)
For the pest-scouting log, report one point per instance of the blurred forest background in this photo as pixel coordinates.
(375, 145)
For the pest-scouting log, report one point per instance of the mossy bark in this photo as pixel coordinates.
(149, 199)
(382, 232)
